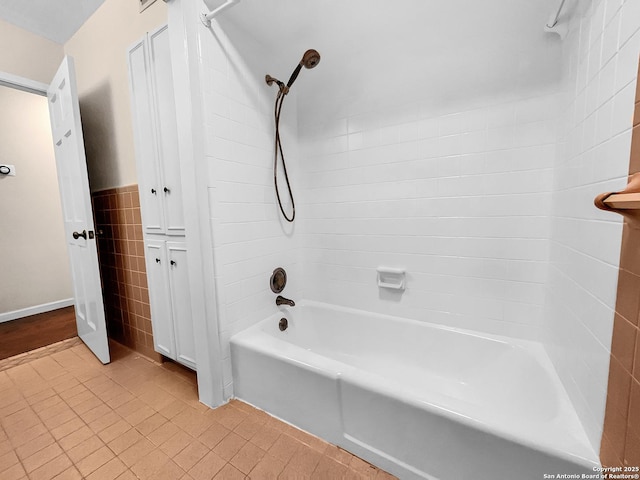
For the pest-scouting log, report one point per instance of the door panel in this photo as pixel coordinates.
(151, 187)
(167, 130)
(181, 304)
(66, 127)
(163, 338)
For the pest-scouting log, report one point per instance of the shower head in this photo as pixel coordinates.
(310, 59)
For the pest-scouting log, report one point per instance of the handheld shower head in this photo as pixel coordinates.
(310, 59)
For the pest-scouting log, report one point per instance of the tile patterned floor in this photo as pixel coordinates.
(65, 416)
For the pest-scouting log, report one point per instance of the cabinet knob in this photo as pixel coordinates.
(173, 263)
(153, 190)
(157, 260)
(166, 190)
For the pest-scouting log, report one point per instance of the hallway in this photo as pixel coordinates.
(66, 416)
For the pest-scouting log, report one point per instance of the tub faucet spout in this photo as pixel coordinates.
(280, 300)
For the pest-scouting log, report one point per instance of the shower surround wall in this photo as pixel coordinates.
(249, 237)
(600, 61)
(460, 200)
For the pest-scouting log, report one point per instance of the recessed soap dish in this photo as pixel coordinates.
(390, 277)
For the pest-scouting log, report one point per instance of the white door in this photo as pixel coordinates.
(66, 127)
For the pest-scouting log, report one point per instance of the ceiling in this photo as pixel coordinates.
(436, 52)
(56, 20)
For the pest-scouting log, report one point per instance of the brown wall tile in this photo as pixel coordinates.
(621, 433)
(123, 269)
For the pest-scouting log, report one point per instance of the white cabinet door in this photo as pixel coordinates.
(181, 304)
(161, 321)
(149, 180)
(167, 130)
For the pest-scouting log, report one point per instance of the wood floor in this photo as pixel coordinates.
(28, 333)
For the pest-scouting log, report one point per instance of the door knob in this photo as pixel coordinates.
(153, 190)
(166, 190)
(77, 235)
(173, 263)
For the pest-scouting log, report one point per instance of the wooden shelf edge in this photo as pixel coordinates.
(624, 201)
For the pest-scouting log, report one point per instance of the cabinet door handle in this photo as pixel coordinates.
(157, 260)
(166, 190)
(173, 262)
(153, 190)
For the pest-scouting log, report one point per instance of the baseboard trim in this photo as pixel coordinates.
(27, 312)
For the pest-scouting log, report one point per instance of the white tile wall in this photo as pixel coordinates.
(601, 61)
(249, 240)
(459, 200)
(489, 209)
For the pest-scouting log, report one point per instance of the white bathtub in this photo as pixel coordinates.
(416, 399)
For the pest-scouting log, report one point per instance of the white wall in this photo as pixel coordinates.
(34, 265)
(459, 200)
(250, 240)
(600, 62)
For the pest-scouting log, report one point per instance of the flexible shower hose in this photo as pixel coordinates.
(278, 148)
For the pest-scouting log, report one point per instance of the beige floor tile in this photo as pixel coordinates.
(127, 475)
(41, 457)
(109, 471)
(191, 455)
(147, 466)
(15, 472)
(85, 448)
(363, 468)
(176, 443)
(114, 430)
(284, 448)
(267, 469)
(169, 471)
(229, 446)
(8, 460)
(35, 445)
(163, 433)
(338, 454)
(134, 419)
(135, 452)
(70, 473)
(208, 467)
(95, 460)
(51, 469)
(213, 435)
(67, 428)
(247, 457)
(305, 461)
(125, 441)
(229, 472)
(265, 437)
(150, 424)
(75, 438)
(248, 427)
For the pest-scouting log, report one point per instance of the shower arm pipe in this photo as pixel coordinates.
(207, 17)
(553, 21)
